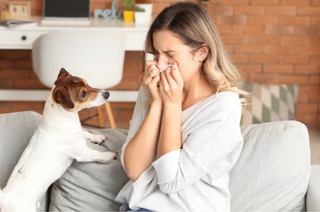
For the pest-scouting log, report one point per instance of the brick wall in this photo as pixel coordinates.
(275, 42)
(271, 41)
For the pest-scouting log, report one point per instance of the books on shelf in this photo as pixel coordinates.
(17, 23)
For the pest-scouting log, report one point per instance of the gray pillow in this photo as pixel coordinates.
(92, 186)
(16, 130)
(273, 170)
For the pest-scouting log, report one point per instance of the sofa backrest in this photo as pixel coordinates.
(273, 171)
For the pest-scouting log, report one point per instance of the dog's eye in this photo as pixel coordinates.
(83, 94)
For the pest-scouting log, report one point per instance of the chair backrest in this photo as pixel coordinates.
(96, 56)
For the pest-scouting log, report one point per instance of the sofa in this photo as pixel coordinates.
(273, 172)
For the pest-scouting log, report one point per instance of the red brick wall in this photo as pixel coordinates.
(275, 42)
(271, 41)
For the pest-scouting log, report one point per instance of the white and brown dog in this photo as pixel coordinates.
(58, 140)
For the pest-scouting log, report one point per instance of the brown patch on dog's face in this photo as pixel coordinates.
(73, 93)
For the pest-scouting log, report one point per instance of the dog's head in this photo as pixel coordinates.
(74, 94)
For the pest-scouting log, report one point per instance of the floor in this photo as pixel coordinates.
(315, 146)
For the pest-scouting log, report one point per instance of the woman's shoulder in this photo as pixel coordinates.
(217, 106)
(220, 106)
(224, 99)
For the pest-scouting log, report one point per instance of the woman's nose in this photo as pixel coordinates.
(162, 60)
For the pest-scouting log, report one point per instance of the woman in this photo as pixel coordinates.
(181, 146)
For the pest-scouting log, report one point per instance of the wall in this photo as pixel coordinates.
(275, 42)
(271, 41)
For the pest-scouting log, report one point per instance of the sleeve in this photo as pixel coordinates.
(213, 148)
(139, 114)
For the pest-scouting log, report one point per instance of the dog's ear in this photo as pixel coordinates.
(62, 96)
(63, 72)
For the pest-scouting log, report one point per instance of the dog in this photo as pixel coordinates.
(58, 140)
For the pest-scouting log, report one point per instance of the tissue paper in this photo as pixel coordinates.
(162, 68)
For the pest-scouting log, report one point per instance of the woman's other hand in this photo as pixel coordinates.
(152, 79)
(171, 86)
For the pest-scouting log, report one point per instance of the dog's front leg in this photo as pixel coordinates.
(90, 155)
(97, 139)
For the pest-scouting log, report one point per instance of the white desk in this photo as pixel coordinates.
(22, 38)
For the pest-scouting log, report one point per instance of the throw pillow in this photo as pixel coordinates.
(92, 186)
(268, 103)
(16, 130)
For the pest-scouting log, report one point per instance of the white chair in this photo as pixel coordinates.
(96, 56)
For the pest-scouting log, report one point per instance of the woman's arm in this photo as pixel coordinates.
(141, 150)
(170, 136)
(171, 90)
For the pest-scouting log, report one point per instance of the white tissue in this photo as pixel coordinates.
(162, 68)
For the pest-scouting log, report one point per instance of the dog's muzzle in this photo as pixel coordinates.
(106, 95)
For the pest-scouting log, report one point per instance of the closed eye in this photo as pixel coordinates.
(157, 53)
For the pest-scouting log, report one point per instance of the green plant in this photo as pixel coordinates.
(139, 9)
(128, 4)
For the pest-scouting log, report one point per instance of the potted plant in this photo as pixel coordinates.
(128, 13)
(143, 11)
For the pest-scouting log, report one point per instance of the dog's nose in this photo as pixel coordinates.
(106, 95)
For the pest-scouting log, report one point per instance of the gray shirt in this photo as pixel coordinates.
(194, 178)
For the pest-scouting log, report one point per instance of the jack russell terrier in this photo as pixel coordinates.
(58, 140)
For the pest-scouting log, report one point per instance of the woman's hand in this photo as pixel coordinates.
(152, 79)
(171, 86)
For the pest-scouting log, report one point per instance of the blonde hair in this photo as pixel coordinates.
(193, 25)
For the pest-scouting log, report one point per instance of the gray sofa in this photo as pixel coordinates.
(273, 172)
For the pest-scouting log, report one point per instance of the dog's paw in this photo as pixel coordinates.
(107, 156)
(98, 139)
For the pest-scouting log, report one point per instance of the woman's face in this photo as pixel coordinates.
(170, 49)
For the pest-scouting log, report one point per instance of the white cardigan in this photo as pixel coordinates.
(194, 178)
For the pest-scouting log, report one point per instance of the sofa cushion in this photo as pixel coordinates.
(92, 186)
(273, 170)
(269, 103)
(16, 130)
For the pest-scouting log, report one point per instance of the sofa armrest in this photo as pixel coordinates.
(313, 193)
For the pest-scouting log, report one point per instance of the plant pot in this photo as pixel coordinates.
(143, 17)
(128, 15)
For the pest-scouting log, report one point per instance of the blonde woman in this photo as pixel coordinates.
(181, 146)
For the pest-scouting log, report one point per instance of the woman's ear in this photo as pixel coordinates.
(202, 52)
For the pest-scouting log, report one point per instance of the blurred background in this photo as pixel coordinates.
(270, 41)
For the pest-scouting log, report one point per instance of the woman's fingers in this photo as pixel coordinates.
(173, 77)
(169, 80)
(150, 75)
(151, 71)
(176, 75)
(151, 62)
(164, 81)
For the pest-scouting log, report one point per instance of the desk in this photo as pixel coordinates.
(22, 38)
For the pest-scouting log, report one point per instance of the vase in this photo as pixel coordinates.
(128, 15)
(144, 17)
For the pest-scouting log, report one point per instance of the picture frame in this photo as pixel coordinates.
(19, 9)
